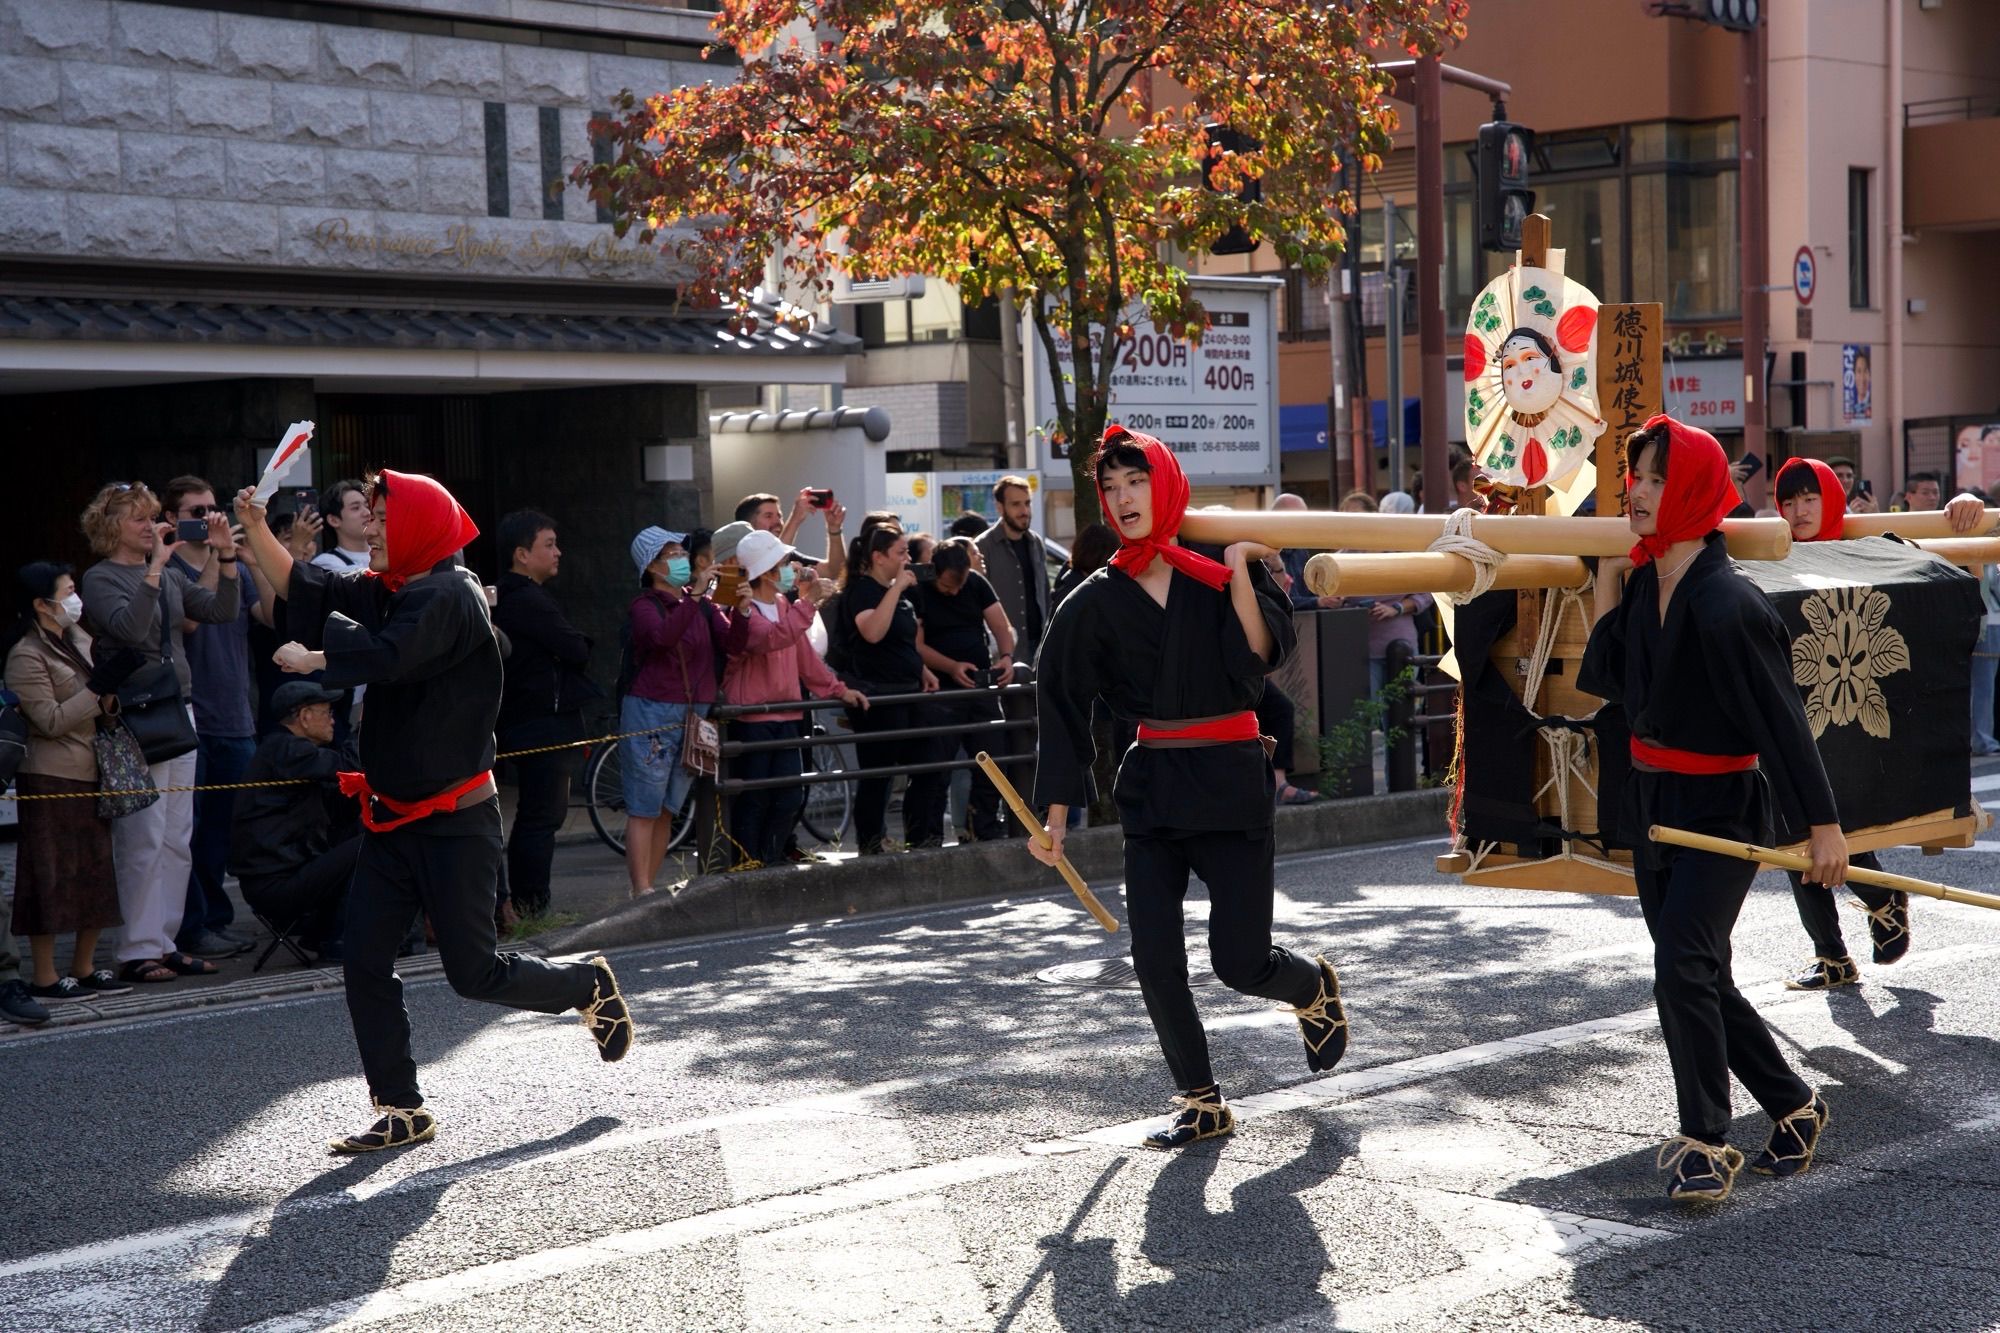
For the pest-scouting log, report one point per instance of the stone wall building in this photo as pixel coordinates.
(219, 218)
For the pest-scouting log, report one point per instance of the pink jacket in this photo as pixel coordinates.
(776, 662)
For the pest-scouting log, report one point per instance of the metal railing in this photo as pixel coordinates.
(1939, 110)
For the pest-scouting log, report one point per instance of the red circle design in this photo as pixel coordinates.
(1574, 329)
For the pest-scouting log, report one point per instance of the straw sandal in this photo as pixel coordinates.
(1703, 1172)
(396, 1127)
(1323, 1023)
(1825, 974)
(609, 1021)
(1889, 927)
(1794, 1139)
(1204, 1115)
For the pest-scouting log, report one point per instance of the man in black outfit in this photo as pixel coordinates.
(542, 701)
(1017, 565)
(293, 847)
(957, 608)
(415, 630)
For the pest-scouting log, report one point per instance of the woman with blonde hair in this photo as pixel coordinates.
(132, 600)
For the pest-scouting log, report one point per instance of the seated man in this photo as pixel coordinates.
(293, 847)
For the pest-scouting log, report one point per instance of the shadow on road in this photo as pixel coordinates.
(1262, 1250)
(310, 1256)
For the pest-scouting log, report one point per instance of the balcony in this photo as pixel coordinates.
(1949, 146)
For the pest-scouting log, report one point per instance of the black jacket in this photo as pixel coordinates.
(545, 687)
(278, 829)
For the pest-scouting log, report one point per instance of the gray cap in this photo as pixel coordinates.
(723, 544)
(293, 695)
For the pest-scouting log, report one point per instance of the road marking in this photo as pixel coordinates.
(1985, 781)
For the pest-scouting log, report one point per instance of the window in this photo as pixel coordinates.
(1858, 240)
(939, 315)
(497, 203)
(1685, 244)
(550, 125)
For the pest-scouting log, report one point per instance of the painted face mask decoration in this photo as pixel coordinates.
(1530, 376)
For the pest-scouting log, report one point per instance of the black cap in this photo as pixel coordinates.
(293, 695)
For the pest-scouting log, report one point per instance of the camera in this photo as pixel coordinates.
(820, 499)
(191, 530)
(986, 679)
(728, 578)
(304, 499)
(924, 573)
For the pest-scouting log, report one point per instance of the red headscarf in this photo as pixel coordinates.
(1170, 502)
(1699, 492)
(425, 526)
(1832, 497)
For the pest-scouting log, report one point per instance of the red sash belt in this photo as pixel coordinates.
(406, 812)
(1215, 730)
(1690, 762)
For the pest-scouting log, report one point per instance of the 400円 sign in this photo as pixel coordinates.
(1214, 404)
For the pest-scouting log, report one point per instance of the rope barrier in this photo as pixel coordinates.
(305, 782)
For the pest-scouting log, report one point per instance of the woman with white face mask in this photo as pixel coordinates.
(65, 880)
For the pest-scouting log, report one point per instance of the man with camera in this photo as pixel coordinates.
(763, 514)
(958, 608)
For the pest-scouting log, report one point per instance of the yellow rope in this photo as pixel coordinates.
(298, 782)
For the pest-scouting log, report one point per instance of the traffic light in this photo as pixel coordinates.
(1504, 197)
(1222, 139)
(1736, 15)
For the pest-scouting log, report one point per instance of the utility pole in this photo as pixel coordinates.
(1755, 219)
(1392, 338)
(1438, 494)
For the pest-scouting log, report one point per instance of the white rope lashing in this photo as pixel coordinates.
(1457, 539)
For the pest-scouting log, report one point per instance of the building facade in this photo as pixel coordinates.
(219, 218)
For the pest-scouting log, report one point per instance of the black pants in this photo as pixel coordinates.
(450, 870)
(1237, 868)
(1711, 1031)
(923, 803)
(982, 803)
(543, 782)
(1819, 910)
(760, 821)
(311, 902)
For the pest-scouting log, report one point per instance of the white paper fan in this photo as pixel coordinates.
(1531, 377)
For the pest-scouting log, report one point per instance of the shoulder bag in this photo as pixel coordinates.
(121, 768)
(701, 741)
(152, 709)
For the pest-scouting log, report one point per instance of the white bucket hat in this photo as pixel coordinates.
(760, 552)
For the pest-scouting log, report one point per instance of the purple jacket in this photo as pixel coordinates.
(679, 646)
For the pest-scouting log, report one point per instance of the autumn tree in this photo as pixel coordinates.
(1050, 147)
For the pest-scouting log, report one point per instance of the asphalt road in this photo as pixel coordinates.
(894, 1123)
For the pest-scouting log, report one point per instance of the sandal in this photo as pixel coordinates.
(1290, 795)
(146, 970)
(190, 966)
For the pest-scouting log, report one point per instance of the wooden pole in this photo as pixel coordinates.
(1771, 856)
(1041, 837)
(1924, 523)
(1970, 552)
(1366, 575)
(1513, 534)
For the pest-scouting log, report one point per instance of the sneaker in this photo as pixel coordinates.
(1794, 1138)
(1204, 1115)
(103, 982)
(1889, 927)
(1703, 1172)
(921, 844)
(1323, 1023)
(209, 944)
(243, 937)
(799, 856)
(609, 1021)
(17, 1006)
(394, 1127)
(880, 846)
(62, 988)
(1825, 974)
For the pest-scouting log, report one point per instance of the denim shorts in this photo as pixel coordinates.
(650, 766)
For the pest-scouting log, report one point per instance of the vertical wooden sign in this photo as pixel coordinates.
(1631, 389)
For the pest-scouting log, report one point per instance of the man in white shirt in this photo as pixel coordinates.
(343, 547)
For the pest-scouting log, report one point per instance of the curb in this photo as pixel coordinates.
(792, 895)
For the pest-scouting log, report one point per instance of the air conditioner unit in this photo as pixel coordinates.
(857, 291)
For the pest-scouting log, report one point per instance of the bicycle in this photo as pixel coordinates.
(829, 805)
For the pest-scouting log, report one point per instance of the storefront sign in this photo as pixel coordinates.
(1708, 394)
(1978, 457)
(1215, 405)
(1857, 384)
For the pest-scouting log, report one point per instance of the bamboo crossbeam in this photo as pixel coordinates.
(1922, 523)
(1362, 574)
(1511, 534)
(1971, 552)
(1771, 856)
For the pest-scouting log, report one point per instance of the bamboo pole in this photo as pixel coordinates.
(1510, 534)
(1922, 523)
(1971, 552)
(1771, 856)
(1041, 837)
(1370, 575)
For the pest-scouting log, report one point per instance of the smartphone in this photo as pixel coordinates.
(1756, 463)
(1864, 487)
(820, 499)
(728, 579)
(191, 530)
(924, 573)
(986, 679)
(304, 498)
